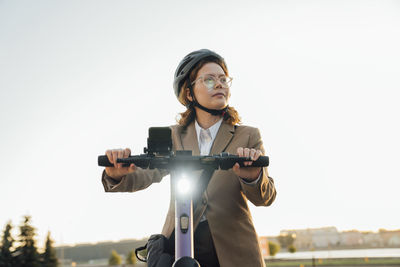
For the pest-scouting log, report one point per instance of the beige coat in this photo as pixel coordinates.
(225, 200)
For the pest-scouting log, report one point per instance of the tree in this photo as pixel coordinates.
(49, 258)
(115, 258)
(26, 253)
(131, 258)
(6, 257)
(273, 248)
(292, 249)
(286, 240)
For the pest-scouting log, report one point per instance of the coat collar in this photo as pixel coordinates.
(222, 140)
(189, 139)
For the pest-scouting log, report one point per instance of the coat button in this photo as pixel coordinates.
(204, 201)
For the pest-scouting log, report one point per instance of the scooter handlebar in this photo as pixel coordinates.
(223, 161)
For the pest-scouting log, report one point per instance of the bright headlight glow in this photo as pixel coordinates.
(184, 186)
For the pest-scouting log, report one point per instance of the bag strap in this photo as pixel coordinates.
(137, 250)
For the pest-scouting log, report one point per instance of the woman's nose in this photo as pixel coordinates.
(218, 84)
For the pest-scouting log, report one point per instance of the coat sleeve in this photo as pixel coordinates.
(262, 193)
(138, 180)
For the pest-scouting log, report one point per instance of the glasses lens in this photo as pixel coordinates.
(209, 82)
(225, 81)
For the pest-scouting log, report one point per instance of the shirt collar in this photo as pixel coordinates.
(213, 129)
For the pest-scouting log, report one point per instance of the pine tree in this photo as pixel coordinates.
(26, 253)
(49, 258)
(131, 258)
(115, 259)
(6, 257)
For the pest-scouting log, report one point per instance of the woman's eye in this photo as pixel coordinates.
(209, 81)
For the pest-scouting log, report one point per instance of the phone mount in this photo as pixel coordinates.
(159, 141)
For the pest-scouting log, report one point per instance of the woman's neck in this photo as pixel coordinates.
(205, 119)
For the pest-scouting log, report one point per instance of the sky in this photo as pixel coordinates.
(320, 79)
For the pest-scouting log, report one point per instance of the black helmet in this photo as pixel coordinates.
(186, 65)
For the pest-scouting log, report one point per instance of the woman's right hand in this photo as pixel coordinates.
(117, 172)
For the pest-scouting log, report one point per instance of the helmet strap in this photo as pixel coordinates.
(195, 103)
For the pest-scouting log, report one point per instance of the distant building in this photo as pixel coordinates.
(390, 238)
(311, 238)
(372, 239)
(263, 241)
(329, 238)
(302, 238)
(325, 237)
(351, 238)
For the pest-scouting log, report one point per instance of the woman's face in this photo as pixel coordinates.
(210, 97)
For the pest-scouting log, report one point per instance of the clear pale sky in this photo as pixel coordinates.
(319, 78)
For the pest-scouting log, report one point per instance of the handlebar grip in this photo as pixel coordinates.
(227, 163)
(262, 161)
(104, 162)
(138, 161)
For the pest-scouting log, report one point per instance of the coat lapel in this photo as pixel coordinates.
(223, 138)
(189, 139)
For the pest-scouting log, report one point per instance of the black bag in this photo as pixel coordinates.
(158, 252)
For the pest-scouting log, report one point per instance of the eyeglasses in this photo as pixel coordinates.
(210, 81)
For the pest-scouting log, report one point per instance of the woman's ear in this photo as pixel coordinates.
(188, 95)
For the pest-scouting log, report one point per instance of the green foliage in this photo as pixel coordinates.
(292, 249)
(86, 252)
(286, 240)
(6, 257)
(49, 258)
(26, 253)
(131, 258)
(115, 259)
(273, 248)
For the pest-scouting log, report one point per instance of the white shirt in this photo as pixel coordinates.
(205, 145)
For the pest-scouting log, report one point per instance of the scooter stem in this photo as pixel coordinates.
(183, 222)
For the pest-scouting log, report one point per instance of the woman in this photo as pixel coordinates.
(224, 235)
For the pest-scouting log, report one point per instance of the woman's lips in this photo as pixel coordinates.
(218, 94)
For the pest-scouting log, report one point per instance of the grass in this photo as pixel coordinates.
(335, 262)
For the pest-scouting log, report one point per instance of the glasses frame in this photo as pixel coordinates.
(217, 79)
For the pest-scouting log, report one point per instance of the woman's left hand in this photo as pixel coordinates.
(248, 173)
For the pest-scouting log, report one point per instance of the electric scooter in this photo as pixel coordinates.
(159, 154)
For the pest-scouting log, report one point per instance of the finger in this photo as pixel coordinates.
(109, 156)
(236, 168)
(239, 151)
(246, 153)
(115, 157)
(127, 152)
(257, 155)
(252, 153)
(132, 167)
(120, 156)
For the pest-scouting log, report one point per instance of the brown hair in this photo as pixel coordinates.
(231, 116)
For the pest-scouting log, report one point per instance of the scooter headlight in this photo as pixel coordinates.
(184, 186)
